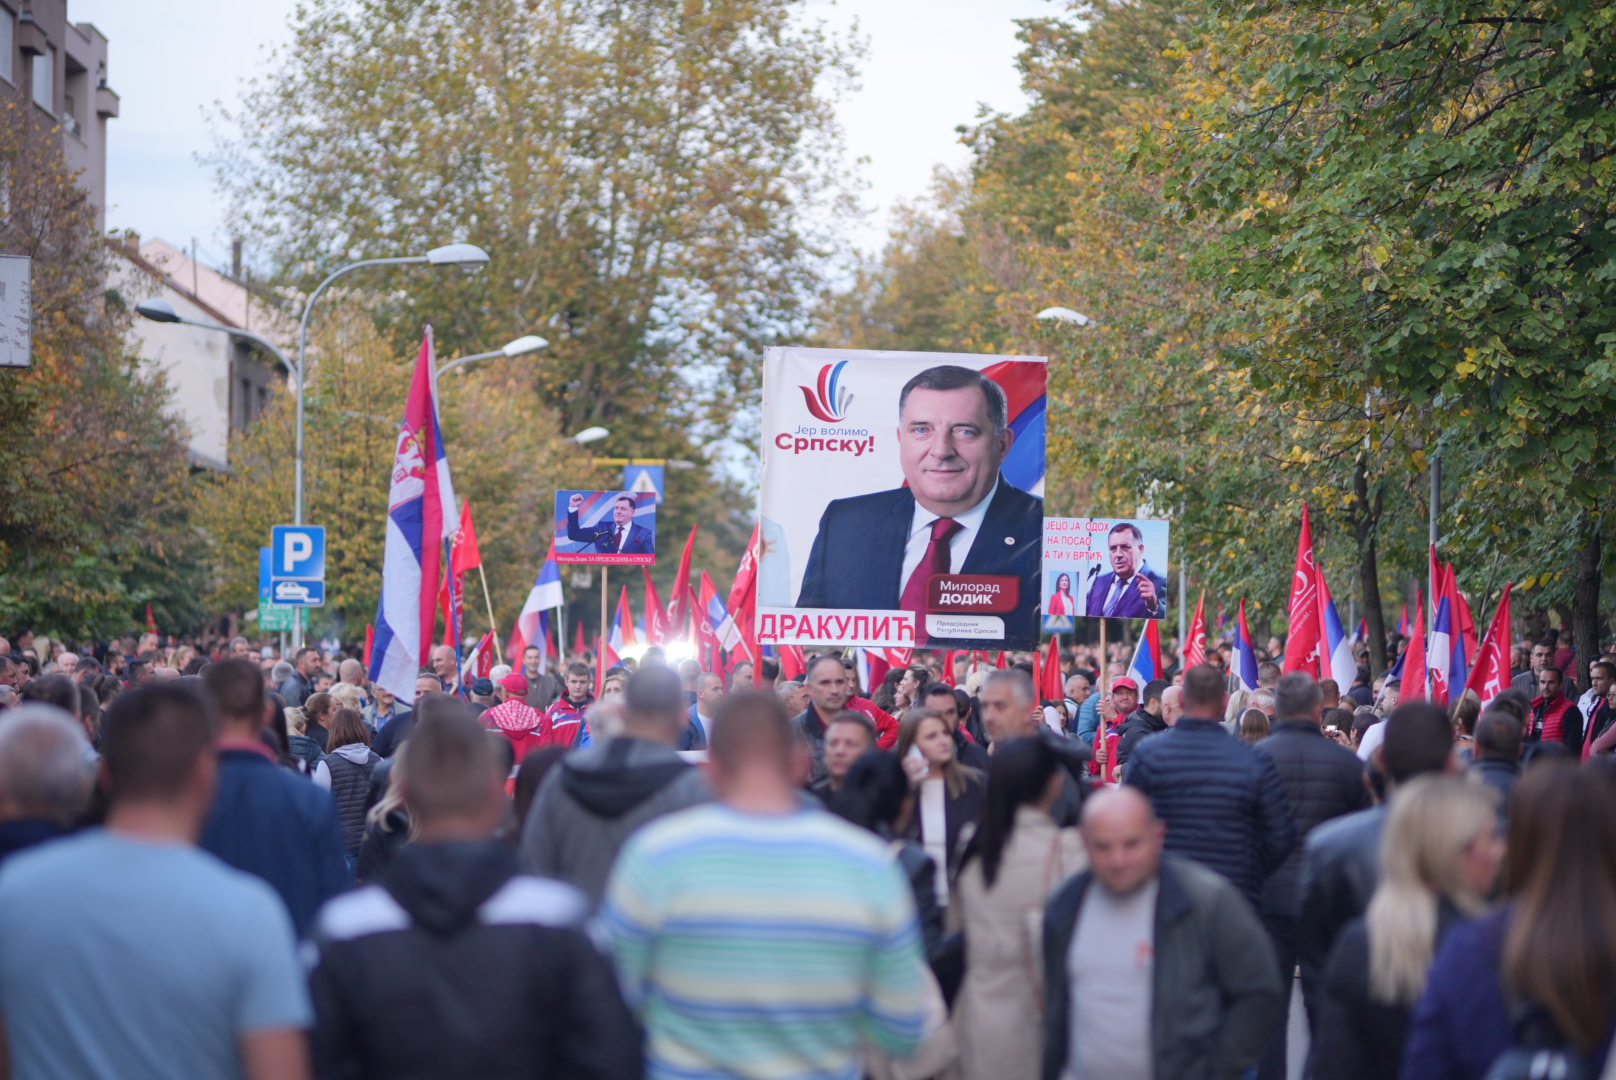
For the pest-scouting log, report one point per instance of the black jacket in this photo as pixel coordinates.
(1137, 726)
(921, 873)
(813, 730)
(1359, 1038)
(456, 965)
(1222, 802)
(1216, 997)
(1340, 869)
(969, 753)
(1501, 776)
(393, 734)
(1322, 781)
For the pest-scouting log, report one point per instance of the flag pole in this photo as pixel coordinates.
(499, 656)
(604, 633)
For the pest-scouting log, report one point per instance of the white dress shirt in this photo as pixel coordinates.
(959, 545)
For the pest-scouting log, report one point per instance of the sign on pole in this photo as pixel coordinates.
(297, 565)
(16, 311)
(271, 616)
(646, 480)
(1105, 568)
(607, 528)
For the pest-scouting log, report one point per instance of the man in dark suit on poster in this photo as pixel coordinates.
(957, 514)
(1131, 590)
(621, 537)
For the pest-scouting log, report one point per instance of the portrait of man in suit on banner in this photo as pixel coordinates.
(957, 504)
(1131, 589)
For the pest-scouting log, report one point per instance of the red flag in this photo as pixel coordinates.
(656, 616)
(1052, 690)
(999, 661)
(464, 554)
(370, 642)
(579, 645)
(446, 606)
(705, 637)
(604, 658)
(1490, 674)
(624, 628)
(1195, 647)
(792, 661)
(743, 597)
(948, 668)
(151, 621)
(1302, 634)
(682, 591)
(549, 641)
(483, 656)
(1413, 687)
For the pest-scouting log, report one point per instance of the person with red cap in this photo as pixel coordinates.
(513, 717)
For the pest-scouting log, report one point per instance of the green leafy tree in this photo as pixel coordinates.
(94, 496)
(1417, 199)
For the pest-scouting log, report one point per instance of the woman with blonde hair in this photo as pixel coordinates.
(948, 795)
(1438, 861)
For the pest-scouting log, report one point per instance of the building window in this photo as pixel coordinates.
(45, 80)
(8, 42)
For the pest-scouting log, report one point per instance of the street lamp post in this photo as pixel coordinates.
(528, 344)
(447, 255)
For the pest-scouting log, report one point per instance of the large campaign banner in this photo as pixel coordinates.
(617, 528)
(1105, 567)
(902, 499)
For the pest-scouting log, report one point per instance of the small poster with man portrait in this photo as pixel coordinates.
(1105, 568)
(902, 499)
(614, 528)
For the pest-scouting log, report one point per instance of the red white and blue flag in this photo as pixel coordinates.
(714, 625)
(1439, 653)
(623, 625)
(533, 624)
(1336, 661)
(1147, 663)
(417, 526)
(1245, 654)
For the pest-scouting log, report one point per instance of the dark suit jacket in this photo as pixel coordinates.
(1129, 605)
(857, 556)
(692, 738)
(640, 541)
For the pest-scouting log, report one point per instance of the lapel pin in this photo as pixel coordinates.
(1010, 540)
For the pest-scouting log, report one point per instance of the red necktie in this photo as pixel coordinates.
(617, 539)
(935, 561)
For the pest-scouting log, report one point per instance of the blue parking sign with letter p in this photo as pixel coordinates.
(297, 565)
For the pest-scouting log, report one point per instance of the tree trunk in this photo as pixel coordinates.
(1585, 599)
(1365, 518)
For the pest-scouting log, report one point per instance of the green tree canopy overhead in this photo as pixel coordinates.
(655, 182)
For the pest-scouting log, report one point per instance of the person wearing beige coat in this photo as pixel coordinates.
(998, 1015)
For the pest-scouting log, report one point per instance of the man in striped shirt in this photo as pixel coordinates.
(759, 939)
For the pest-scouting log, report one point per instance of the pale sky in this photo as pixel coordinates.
(929, 66)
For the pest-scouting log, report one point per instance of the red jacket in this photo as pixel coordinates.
(886, 725)
(1559, 722)
(564, 722)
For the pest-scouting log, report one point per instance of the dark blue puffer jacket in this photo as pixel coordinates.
(1222, 802)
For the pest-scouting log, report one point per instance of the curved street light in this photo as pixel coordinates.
(530, 343)
(1065, 315)
(588, 435)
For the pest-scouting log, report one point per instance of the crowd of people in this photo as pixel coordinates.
(218, 861)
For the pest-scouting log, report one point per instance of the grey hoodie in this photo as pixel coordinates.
(590, 803)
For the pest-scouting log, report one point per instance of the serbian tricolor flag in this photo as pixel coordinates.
(1491, 675)
(1302, 643)
(680, 610)
(656, 616)
(872, 670)
(1439, 654)
(623, 625)
(1337, 662)
(1195, 644)
(1245, 653)
(533, 624)
(1402, 622)
(417, 526)
(1413, 661)
(1361, 635)
(1147, 662)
